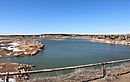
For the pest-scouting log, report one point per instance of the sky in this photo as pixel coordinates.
(64, 16)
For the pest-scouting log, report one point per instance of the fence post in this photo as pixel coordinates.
(104, 69)
(7, 77)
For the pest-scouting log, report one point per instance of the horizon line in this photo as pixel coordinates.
(70, 33)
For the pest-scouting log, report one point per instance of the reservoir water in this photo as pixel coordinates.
(70, 52)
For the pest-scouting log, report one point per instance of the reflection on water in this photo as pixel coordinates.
(73, 52)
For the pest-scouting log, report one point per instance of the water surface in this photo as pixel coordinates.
(72, 52)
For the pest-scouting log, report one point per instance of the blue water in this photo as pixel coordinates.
(72, 52)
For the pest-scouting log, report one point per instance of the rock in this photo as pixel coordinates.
(22, 47)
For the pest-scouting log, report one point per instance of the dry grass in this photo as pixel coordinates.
(87, 75)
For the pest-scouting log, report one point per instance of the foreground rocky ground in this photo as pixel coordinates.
(14, 67)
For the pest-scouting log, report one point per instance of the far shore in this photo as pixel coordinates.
(122, 39)
(112, 39)
(119, 39)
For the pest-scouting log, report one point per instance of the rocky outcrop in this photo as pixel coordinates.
(19, 47)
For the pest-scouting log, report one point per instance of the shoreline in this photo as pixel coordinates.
(109, 39)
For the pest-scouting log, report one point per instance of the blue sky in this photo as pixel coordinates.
(64, 16)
